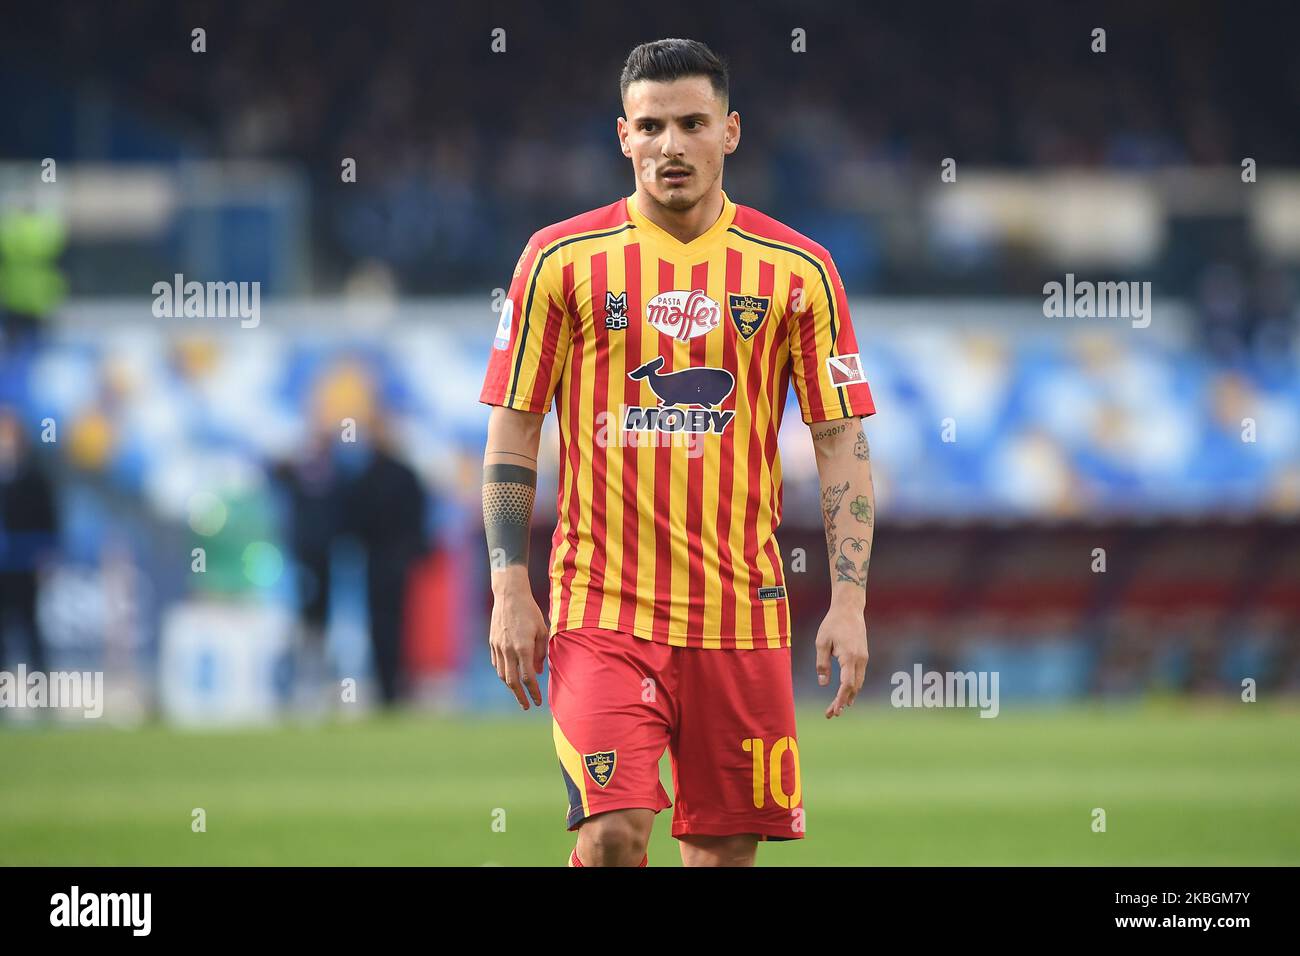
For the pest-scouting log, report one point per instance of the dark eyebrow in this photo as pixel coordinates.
(654, 119)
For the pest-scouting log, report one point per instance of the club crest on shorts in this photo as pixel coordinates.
(600, 765)
(748, 312)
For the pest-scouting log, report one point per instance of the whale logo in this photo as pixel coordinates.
(691, 386)
(706, 387)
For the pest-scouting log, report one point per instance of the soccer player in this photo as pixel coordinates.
(666, 328)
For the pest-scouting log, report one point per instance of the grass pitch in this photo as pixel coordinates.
(1211, 783)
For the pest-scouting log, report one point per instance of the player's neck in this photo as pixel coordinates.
(688, 224)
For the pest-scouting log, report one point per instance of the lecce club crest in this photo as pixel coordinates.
(600, 765)
(748, 312)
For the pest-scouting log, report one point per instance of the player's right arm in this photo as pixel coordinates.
(525, 367)
(518, 633)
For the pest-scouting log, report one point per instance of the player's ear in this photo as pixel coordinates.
(732, 138)
(621, 127)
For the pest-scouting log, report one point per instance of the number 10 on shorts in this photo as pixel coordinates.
(767, 773)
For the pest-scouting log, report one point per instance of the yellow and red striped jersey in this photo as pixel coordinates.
(669, 365)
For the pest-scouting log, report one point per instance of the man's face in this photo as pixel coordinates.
(676, 135)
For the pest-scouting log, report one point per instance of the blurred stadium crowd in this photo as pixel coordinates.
(461, 150)
(175, 436)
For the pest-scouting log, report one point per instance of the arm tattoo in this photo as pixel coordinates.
(860, 449)
(861, 509)
(508, 493)
(851, 565)
(832, 495)
(855, 553)
(828, 432)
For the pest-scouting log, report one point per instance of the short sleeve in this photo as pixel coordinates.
(532, 336)
(825, 364)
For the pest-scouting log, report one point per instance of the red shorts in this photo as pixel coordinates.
(725, 716)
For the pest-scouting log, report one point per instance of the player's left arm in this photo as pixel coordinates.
(831, 383)
(849, 513)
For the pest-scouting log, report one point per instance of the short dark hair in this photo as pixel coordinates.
(673, 59)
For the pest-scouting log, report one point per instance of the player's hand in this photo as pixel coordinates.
(518, 642)
(842, 635)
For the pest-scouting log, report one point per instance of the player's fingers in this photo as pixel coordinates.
(511, 677)
(841, 700)
(860, 675)
(540, 644)
(529, 678)
(850, 685)
(823, 663)
(850, 678)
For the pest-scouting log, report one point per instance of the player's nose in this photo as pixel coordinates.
(672, 148)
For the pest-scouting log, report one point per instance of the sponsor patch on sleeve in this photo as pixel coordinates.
(503, 327)
(845, 369)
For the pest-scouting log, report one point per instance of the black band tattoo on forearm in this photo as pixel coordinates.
(508, 495)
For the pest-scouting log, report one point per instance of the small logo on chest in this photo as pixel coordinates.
(616, 311)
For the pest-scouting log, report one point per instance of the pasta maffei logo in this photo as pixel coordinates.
(683, 315)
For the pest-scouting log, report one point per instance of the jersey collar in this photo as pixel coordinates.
(720, 226)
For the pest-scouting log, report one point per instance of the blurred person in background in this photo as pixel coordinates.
(352, 483)
(311, 483)
(28, 535)
(382, 505)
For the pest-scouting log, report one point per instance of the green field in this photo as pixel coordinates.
(1181, 783)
